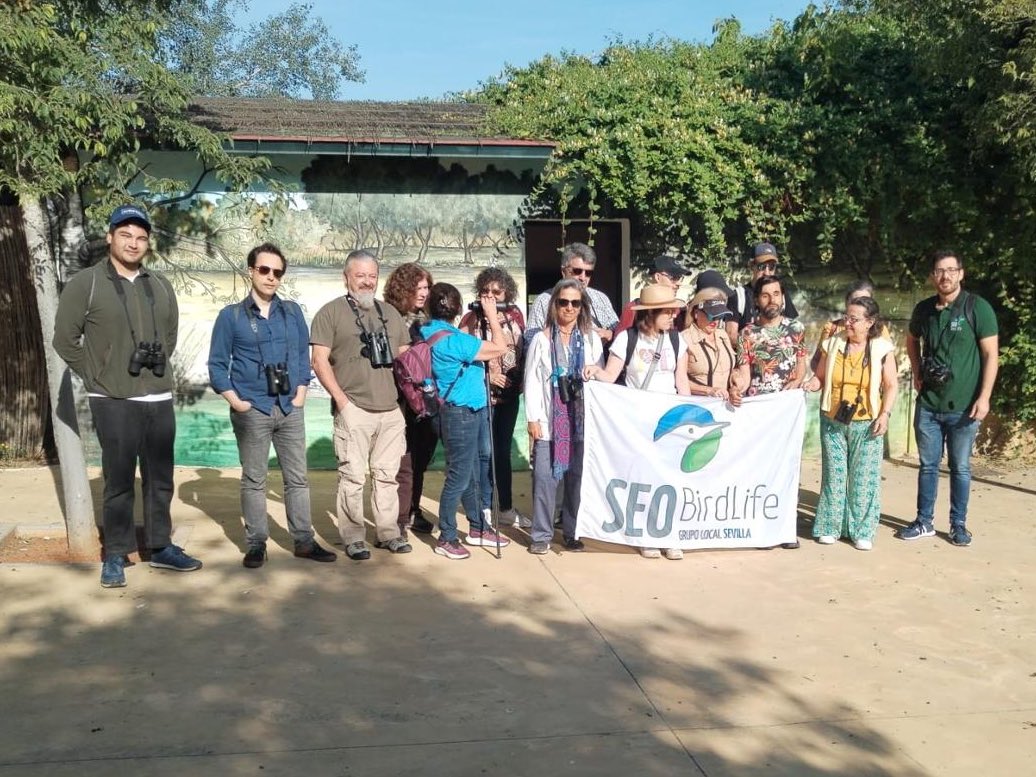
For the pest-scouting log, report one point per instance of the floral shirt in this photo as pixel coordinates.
(771, 353)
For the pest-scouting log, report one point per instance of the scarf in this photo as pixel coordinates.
(566, 421)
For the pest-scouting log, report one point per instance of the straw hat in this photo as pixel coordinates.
(655, 295)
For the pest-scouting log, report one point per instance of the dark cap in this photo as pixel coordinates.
(764, 252)
(670, 267)
(710, 279)
(714, 309)
(125, 213)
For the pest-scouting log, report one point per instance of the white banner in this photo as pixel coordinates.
(665, 471)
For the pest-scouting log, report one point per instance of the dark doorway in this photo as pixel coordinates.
(544, 239)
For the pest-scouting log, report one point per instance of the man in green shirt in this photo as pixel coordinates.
(953, 349)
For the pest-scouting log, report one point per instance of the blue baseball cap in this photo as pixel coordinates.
(125, 213)
(764, 252)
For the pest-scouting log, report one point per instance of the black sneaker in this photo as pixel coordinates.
(573, 545)
(314, 552)
(421, 525)
(960, 536)
(790, 545)
(256, 556)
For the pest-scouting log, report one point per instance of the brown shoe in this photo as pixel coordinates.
(314, 552)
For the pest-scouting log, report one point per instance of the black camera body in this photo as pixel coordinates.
(846, 412)
(570, 388)
(147, 356)
(476, 306)
(376, 349)
(935, 374)
(277, 381)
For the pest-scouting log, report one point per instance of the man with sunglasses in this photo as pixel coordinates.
(667, 272)
(763, 264)
(578, 261)
(259, 363)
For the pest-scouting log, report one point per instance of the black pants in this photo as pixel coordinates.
(422, 437)
(505, 415)
(130, 431)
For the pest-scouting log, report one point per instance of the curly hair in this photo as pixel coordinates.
(401, 286)
(499, 276)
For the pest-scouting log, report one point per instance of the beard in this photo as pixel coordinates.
(364, 300)
(771, 312)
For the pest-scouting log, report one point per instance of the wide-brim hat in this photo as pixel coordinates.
(655, 296)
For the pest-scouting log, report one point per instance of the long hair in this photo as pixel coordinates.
(499, 276)
(583, 321)
(401, 286)
(444, 302)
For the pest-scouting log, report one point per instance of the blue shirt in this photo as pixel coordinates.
(238, 353)
(453, 360)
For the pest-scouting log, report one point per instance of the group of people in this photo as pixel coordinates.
(117, 324)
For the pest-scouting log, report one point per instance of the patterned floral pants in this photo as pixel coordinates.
(850, 486)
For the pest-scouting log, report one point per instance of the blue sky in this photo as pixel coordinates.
(413, 49)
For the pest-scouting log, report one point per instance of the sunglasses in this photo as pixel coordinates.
(771, 266)
(580, 271)
(575, 304)
(265, 269)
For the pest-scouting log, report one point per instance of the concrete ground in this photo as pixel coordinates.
(914, 659)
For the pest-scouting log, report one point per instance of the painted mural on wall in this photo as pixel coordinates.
(202, 245)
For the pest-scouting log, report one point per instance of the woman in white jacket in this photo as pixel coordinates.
(556, 365)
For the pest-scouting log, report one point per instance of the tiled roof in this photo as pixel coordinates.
(366, 122)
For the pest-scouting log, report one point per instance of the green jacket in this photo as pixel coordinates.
(92, 330)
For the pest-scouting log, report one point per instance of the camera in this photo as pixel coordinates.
(570, 388)
(277, 379)
(476, 306)
(147, 356)
(376, 349)
(935, 374)
(846, 412)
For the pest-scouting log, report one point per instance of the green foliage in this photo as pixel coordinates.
(81, 89)
(662, 132)
(290, 54)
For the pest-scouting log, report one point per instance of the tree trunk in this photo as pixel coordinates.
(78, 504)
(23, 372)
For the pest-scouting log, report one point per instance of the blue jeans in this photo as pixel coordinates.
(465, 437)
(956, 432)
(255, 431)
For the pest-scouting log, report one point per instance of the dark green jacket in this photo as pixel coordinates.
(92, 330)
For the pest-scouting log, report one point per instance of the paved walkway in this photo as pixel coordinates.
(915, 659)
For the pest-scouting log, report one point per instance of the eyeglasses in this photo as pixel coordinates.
(854, 320)
(580, 271)
(265, 269)
(493, 292)
(575, 304)
(949, 271)
(770, 266)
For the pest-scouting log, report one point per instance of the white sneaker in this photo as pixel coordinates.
(827, 539)
(863, 544)
(514, 518)
(673, 554)
(651, 553)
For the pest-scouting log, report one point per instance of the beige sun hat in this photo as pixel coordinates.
(655, 295)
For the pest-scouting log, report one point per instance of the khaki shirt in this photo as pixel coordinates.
(334, 326)
(703, 357)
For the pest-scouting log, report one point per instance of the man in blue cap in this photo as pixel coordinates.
(116, 328)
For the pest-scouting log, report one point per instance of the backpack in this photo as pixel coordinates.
(413, 372)
(631, 345)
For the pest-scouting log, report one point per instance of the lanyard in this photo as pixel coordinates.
(863, 368)
(145, 281)
(245, 303)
